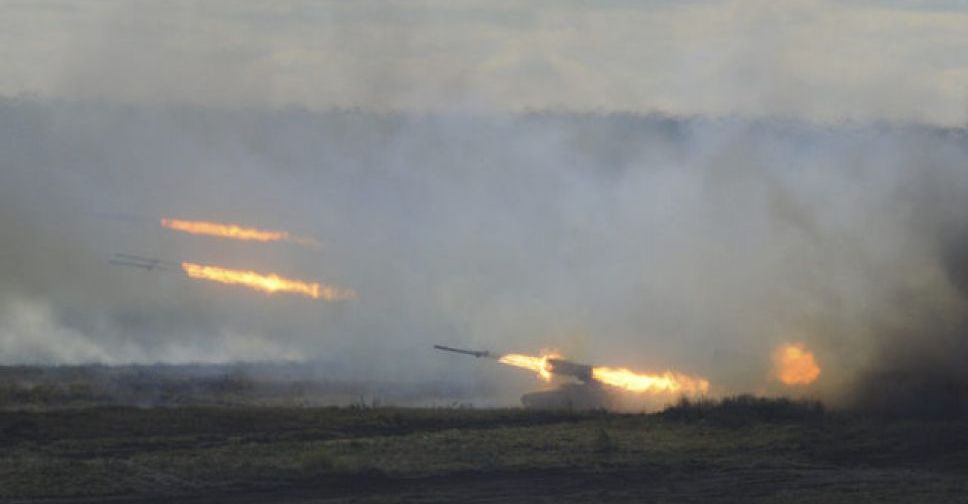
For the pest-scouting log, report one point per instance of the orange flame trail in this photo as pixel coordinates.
(268, 283)
(234, 231)
(667, 382)
(539, 365)
(795, 365)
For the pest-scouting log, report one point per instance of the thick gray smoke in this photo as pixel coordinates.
(698, 245)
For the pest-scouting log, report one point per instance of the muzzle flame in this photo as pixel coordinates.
(268, 283)
(664, 383)
(793, 364)
(234, 232)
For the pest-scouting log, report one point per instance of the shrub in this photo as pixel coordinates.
(745, 409)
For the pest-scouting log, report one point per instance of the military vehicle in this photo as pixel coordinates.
(588, 393)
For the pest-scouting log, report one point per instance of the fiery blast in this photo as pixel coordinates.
(539, 365)
(668, 382)
(795, 365)
(234, 231)
(268, 283)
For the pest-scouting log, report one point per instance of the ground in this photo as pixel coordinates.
(361, 454)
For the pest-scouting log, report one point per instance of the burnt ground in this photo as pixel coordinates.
(764, 451)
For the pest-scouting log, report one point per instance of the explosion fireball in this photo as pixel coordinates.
(793, 364)
(268, 283)
(234, 231)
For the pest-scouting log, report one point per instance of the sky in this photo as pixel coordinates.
(656, 185)
(808, 59)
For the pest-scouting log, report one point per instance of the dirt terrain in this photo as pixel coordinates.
(744, 450)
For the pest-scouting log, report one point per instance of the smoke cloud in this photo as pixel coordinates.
(647, 242)
(805, 184)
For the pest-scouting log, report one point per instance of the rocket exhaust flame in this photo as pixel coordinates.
(268, 283)
(667, 382)
(539, 365)
(234, 232)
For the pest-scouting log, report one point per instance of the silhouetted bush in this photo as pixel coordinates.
(745, 409)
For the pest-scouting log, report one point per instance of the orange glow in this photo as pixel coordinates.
(232, 231)
(795, 365)
(664, 383)
(667, 382)
(539, 365)
(268, 283)
(235, 232)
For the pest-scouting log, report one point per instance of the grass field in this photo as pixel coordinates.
(743, 450)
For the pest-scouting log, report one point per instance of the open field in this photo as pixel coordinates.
(282, 384)
(752, 451)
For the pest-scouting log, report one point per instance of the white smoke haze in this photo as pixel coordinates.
(642, 241)
(821, 60)
(805, 181)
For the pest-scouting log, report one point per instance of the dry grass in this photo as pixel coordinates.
(689, 451)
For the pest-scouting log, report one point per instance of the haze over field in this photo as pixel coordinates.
(654, 186)
(822, 60)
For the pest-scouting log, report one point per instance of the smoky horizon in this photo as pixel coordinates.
(694, 244)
